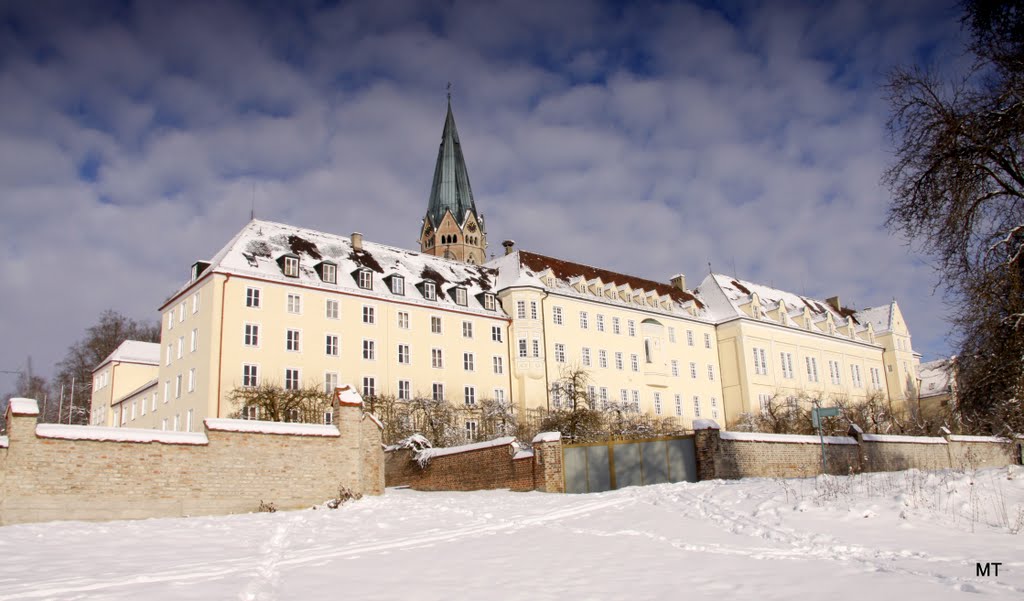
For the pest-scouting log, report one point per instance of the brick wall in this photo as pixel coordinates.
(50, 473)
(741, 455)
(480, 467)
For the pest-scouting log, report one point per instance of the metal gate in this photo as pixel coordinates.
(595, 467)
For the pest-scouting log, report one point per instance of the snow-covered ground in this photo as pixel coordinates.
(903, 535)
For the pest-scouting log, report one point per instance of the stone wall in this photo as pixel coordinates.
(741, 454)
(53, 472)
(483, 466)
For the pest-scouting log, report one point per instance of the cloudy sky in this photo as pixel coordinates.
(647, 139)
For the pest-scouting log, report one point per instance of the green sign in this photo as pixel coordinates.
(819, 412)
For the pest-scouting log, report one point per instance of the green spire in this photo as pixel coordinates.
(450, 190)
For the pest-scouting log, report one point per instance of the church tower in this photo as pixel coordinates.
(452, 227)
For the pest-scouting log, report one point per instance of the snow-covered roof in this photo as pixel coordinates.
(880, 317)
(936, 377)
(150, 384)
(901, 438)
(427, 454)
(23, 406)
(257, 249)
(4, 442)
(134, 351)
(547, 437)
(768, 437)
(528, 269)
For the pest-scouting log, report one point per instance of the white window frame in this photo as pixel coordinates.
(292, 378)
(369, 349)
(404, 357)
(250, 335)
(556, 315)
(468, 362)
(293, 340)
(559, 352)
(365, 279)
(252, 297)
(332, 308)
(369, 315)
(294, 303)
(403, 320)
(332, 345)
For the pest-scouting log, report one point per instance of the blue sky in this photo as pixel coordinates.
(650, 139)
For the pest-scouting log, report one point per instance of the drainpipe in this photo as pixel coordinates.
(220, 342)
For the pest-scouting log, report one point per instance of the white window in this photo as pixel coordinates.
(812, 369)
(369, 350)
(556, 396)
(618, 361)
(177, 422)
(134, 408)
(181, 346)
(657, 403)
(470, 395)
(591, 395)
(834, 373)
(331, 345)
(181, 312)
(369, 315)
(631, 327)
(252, 297)
(499, 395)
(498, 364)
(584, 320)
(167, 390)
(602, 358)
(177, 386)
(522, 348)
(403, 354)
(330, 273)
(603, 397)
(671, 334)
(559, 352)
(195, 303)
(764, 400)
(471, 427)
(252, 336)
(467, 361)
(689, 337)
(403, 320)
(533, 309)
(556, 315)
(707, 340)
(152, 402)
(404, 390)
(435, 325)
(167, 355)
(634, 361)
(369, 387)
(760, 362)
(291, 341)
(163, 424)
(623, 396)
(328, 417)
(586, 356)
(330, 382)
(398, 285)
(188, 421)
(291, 379)
(192, 380)
(535, 346)
(248, 412)
(365, 279)
(294, 303)
(489, 302)
(521, 309)
(460, 296)
(696, 406)
(615, 325)
(429, 291)
(876, 379)
(142, 406)
(195, 340)
(787, 365)
(693, 370)
(714, 408)
(170, 319)
(636, 401)
(675, 368)
(496, 333)
(711, 372)
(437, 391)
(855, 375)
(291, 269)
(467, 329)
(331, 309)
(600, 322)
(679, 404)
(436, 358)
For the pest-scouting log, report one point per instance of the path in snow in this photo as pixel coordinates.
(911, 535)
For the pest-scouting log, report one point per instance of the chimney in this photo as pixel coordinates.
(833, 301)
(357, 241)
(509, 245)
(679, 281)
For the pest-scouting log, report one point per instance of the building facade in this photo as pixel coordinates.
(297, 307)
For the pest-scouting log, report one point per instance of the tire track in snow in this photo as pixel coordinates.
(232, 567)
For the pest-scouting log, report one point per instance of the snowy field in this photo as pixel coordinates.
(903, 535)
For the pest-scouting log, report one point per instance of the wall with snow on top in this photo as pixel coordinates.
(50, 472)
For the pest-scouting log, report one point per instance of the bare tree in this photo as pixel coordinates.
(271, 402)
(957, 186)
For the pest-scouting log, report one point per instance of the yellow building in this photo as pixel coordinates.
(130, 367)
(297, 307)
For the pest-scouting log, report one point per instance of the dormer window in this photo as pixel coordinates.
(328, 272)
(398, 285)
(489, 302)
(460, 297)
(430, 290)
(290, 265)
(198, 268)
(364, 277)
